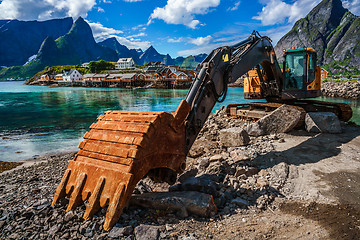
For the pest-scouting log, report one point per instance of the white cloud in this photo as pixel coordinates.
(101, 33)
(133, 43)
(141, 34)
(201, 40)
(276, 33)
(235, 7)
(183, 11)
(279, 12)
(101, 10)
(176, 40)
(44, 9)
(353, 6)
(207, 47)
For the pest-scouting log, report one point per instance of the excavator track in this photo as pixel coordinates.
(251, 112)
(120, 149)
(342, 110)
(254, 111)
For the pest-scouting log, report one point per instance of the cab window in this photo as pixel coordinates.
(294, 71)
(311, 72)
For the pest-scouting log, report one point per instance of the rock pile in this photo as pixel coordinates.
(341, 89)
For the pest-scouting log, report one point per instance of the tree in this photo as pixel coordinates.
(101, 65)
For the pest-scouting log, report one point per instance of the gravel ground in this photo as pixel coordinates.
(278, 186)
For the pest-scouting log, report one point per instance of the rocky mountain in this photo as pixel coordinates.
(79, 46)
(74, 48)
(332, 31)
(121, 50)
(151, 55)
(19, 40)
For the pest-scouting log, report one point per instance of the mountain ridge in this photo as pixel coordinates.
(22, 39)
(332, 31)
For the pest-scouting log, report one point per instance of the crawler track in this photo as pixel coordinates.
(256, 110)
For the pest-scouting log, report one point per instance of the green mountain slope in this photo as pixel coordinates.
(332, 31)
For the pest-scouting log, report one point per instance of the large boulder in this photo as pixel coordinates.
(234, 137)
(146, 232)
(281, 120)
(322, 122)
(191, 202)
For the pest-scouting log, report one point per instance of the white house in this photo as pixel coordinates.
(124, 63)
(72, 75)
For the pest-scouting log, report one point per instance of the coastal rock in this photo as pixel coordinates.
(341, 89)
(322, 122)
(281, 120)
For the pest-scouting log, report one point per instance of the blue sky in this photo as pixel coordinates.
(177, 27)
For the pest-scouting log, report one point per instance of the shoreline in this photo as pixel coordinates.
(345, 90)
(28, 162)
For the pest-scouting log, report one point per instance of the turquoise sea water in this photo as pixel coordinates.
(38, 120)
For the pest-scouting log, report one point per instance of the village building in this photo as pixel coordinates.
(59, 77)
(178, 76)
(155, 64)
(88, 76)
(47, 77)
(145, 77)
(125, 63)
(99, 77)
(324, 74)
(72, 75)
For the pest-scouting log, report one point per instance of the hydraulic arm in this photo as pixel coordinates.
(225, 65)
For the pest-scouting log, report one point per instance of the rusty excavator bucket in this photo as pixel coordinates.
(121, 148)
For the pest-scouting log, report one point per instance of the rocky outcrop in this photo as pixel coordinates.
(332, 31)
(341, 89)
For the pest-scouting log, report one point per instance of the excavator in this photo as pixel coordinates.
(123, 147)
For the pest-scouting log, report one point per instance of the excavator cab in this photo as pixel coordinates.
(301, 76)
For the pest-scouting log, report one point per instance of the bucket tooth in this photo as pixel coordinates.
(94, 200)
(120, 149)
(61, 189)
(115, 208)
(76, 198)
